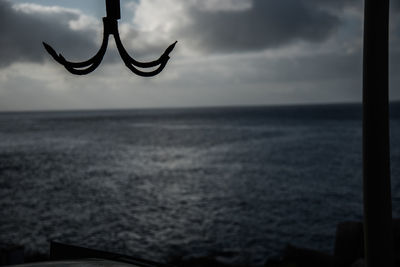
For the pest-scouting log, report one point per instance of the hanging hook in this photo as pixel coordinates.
(110, 27)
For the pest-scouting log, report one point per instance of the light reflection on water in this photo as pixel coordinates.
(237, 184)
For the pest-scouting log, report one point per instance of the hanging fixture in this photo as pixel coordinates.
(110, 24)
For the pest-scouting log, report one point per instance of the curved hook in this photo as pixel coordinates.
(131, 63)
(110, 26)
(85, 67)
(128, 59)
(144, 73)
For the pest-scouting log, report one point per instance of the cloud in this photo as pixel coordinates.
(260, 27)
(237, 26)
(77, 36)
(24, 27)
(252, 52)
(214, 26)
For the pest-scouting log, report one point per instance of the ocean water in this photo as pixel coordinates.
(234, 184)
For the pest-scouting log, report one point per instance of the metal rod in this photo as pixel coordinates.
(378, 228)
(113, 8)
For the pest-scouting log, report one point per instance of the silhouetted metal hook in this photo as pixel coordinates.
(110, 24)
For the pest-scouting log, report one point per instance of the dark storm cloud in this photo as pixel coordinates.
(22, 34)
(267, 24)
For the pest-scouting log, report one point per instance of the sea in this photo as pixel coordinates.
(235, 184)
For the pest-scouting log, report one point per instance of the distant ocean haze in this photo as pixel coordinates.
(233, 183)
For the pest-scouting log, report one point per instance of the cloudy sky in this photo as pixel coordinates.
(229, 52)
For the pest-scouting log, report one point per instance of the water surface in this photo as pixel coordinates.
(235, 184)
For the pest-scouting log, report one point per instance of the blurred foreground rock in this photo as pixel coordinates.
(348, 251)
(349, 243)
(302, 257)
(11, 254)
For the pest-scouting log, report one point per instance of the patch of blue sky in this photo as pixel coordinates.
(94, 8)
